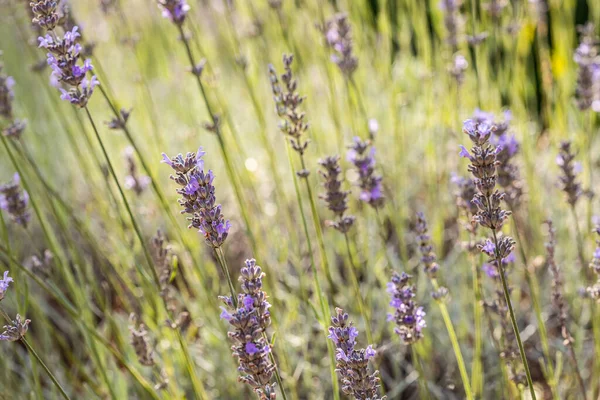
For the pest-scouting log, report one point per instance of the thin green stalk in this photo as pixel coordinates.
(326, 315)
(361, 304)
(579, 240)
(477, 365)
(136, 227)
(513, 319)
(455, 346)
(39, 360)
(423, 389)
(596, 329)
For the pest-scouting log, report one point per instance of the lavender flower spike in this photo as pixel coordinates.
(4, 284)
(364, 162)
(198, 197)
(15, 127)
(175, 10)
(15, 201)
(338, 36)
(409, 319)
(250, 320)
(570, 168)
(334, 196)
(352, 363)
(15, 330)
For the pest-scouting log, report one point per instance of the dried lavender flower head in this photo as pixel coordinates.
(249, 320)
(352, 363)
(587, 92)
(408, 317)
(362, 155)
(140, 341)
(175, 10)
(15, 127)
(15, 201)
(134, 181)
(334, 196)
(45, 13)
(570, 169)
(288, 101)
(4, 282)
(338, 36)
(15, 330)
(198, 196)
(428, 256)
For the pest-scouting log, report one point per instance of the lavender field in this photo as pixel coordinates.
(300, 199)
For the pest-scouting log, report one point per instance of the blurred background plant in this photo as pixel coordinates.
(119, 312)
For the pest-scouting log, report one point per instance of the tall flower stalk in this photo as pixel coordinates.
(491, 215)
(440, 295)
(560, 304)
(293, 125)
(337, 202)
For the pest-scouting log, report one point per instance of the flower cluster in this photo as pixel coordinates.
(335, 197)
(570, 169)
(338, 35)
(64, 58)
(133, 181)
(45, 13)
(352, 363)
(587, 58)
(175, 10)
(250, 319)
(140, 341)
(409, 318)
(15, 330)
(458, 67)
(428, 257)
(198, 196)
(15, 127)
(489, 248)
(288, 101)
(362, 155)
(594, 290)
(452, 20)
(4, 282)
(15, 201)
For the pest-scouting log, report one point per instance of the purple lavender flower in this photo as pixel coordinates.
(175, 10)
(15, 201)
(428, 256)
(250, 320)
(338, 36)
(15, 330)
(587, 58)
(15, 127)
(362, 155)
(352, 363)
(198, 196)
(458, 68)
(409, 318)
(134, 181)
(63, 57)
(452, 20)
(334, 196)
(568, 180)
(4, 284)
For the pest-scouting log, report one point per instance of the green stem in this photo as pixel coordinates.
(513, 319)
(477, 366)
(455, 346)
(423, 389)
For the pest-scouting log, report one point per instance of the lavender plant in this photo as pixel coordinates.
(362, 155)
(352, 363)
(483, 158)
(15, 201)
(587, 58)
(15, 126)
(408, 316)
(134, 181)
(248, 313)
(338, 36)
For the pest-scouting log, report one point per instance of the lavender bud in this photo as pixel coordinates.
(334, 196)
(15, 330)
(409, 318)
(4, 284)
(570, 169)
(45, 13)
(174, 10)
(587, 58)
(453, 21)
(198, 197)
(368, 181)
(134, 181)
(250, 320)
(140, 341)
(338, 36)
(15, 127)
(15, 201)
(458, 68)
(428, 257)
(352, 363)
